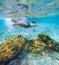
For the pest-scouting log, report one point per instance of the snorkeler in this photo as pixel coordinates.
(25, 25)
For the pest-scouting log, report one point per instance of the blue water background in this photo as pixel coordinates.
(45, 25)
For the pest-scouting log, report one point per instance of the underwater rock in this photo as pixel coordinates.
(10, 49)
(52, 44)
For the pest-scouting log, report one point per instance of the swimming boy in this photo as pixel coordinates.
(25, 25)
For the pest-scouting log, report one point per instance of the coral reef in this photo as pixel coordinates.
(15, 45)
(35, 46)
(10, 49)
(52, 44)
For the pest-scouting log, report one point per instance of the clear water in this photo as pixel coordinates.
(46, 25)
(46, 15)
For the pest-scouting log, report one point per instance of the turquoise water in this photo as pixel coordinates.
(44, 13)
(45, 25)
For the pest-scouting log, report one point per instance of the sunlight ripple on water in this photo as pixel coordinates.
(35, 8)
